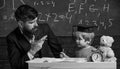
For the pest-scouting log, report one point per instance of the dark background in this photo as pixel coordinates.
(61, 15)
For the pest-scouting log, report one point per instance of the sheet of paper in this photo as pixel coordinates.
(42, 60)
(49, 60)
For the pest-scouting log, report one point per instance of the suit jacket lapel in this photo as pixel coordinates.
(23, 42)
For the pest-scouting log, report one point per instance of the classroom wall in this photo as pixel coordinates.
(61, 15)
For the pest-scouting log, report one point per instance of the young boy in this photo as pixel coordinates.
(84, 36)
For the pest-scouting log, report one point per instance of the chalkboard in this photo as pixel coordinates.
(61, 15)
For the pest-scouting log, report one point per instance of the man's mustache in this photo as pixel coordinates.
(35, 29)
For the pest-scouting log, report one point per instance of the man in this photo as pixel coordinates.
(27, 40)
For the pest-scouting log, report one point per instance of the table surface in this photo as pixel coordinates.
(69, 64)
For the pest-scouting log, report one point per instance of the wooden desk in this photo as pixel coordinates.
(72, 65)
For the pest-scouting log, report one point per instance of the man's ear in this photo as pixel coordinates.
(20, 24)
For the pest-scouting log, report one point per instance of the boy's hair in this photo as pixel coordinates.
(25, 12)
(85, 36)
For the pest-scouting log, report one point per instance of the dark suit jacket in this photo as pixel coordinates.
(18, 46)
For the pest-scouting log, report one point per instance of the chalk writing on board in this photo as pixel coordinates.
(7, 18)
(62, 17)
(92, 9)
(13, 3)
(55, 18)
(40, 18)
(84, 2)
(70, 7)
(106, 7)
(110, 21)
(3, 4)
(36, 3)
(97, 12)
(13, 6)
(69, 17)
(86, 11)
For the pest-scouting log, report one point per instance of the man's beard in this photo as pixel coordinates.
(29, 33)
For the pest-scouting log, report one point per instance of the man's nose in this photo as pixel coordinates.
(77, 41)
(36, 24)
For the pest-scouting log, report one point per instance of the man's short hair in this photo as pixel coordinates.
(25, 12)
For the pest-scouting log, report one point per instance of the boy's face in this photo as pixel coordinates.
(30, 26)
(80, 41)
(83, 39)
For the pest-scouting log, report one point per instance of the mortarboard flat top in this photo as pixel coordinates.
(87, 29)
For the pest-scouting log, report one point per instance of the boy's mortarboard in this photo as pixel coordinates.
(84, 32)
(87, 29)
(83, 29)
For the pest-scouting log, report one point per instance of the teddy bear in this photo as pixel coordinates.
(105, 47)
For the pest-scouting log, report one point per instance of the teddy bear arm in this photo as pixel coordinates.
(110, 54)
